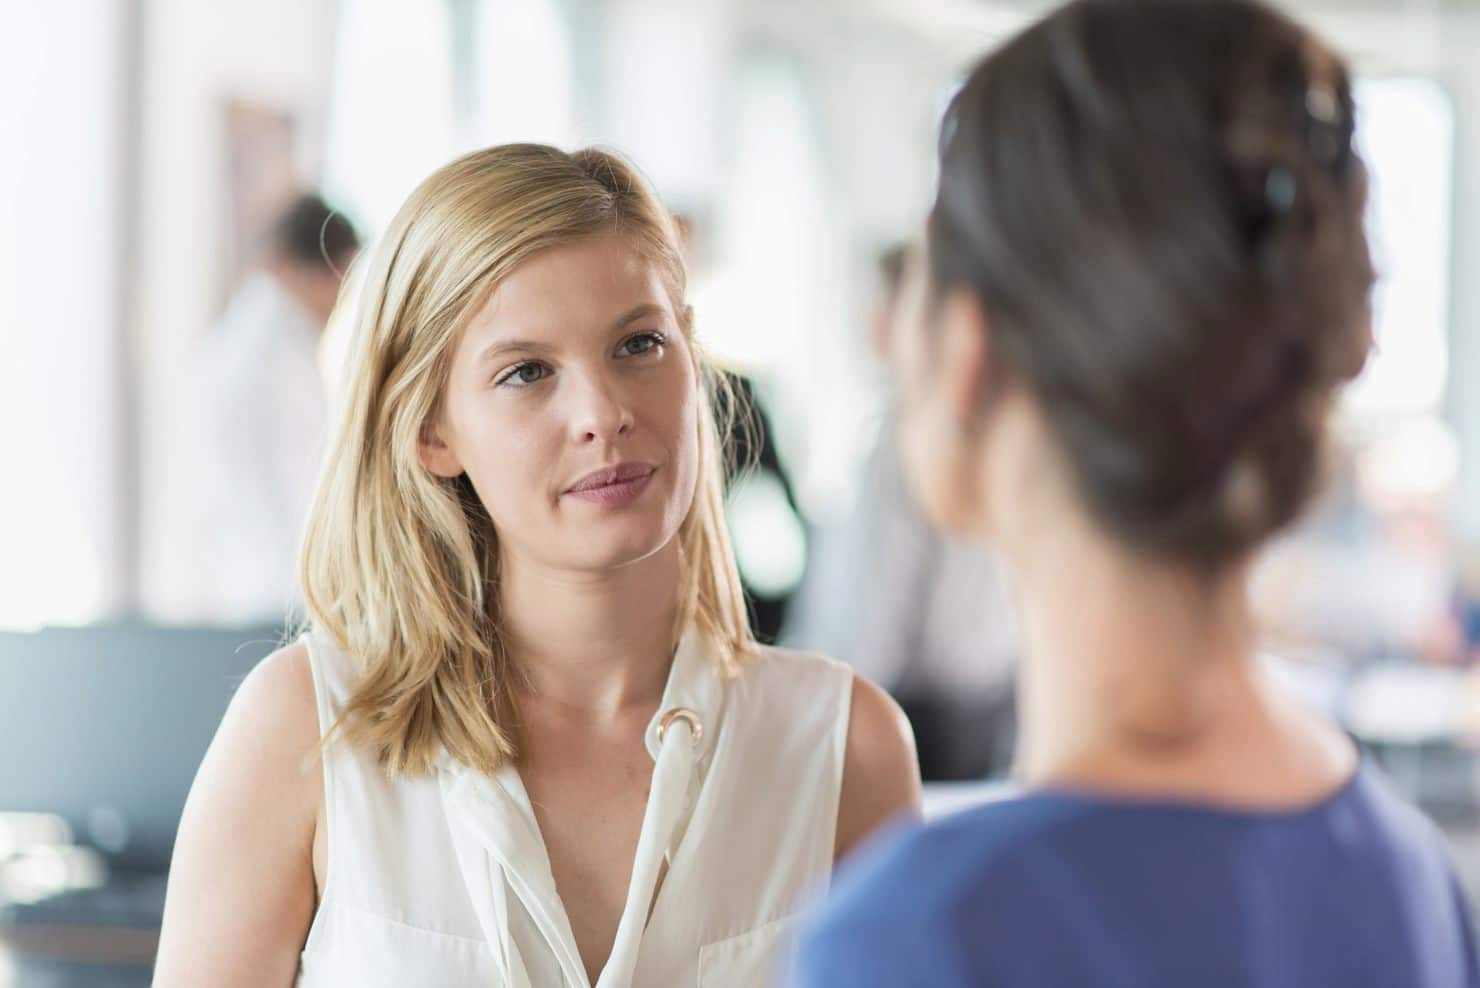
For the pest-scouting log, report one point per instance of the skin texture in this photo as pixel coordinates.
(546, 385)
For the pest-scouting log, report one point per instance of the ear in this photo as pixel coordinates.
(965, 353)
(435, 454)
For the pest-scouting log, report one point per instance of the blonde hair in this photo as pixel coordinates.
(400, 567)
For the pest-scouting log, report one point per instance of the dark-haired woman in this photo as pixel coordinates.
(1144, 282)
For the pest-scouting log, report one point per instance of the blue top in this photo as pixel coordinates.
(1057, 889)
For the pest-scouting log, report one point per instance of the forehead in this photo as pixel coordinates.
(573, 288)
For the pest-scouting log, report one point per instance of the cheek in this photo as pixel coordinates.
(687, 455)
(668, 418)
(676, 417)
(908, 331)
(508, 454)
(933, 457)
(918, 460)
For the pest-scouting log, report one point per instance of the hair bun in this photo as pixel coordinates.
(1169, 241)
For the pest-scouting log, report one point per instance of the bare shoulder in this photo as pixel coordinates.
(241, 887)
(271, 727)
(881, 773)
(278, 693)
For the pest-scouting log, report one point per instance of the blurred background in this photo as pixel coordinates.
(165, 373)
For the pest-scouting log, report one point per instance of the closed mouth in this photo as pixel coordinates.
(622, 473)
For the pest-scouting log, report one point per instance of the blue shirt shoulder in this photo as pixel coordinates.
(894, 894)
(1057, 889)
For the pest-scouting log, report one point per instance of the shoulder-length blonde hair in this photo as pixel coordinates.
(400, 567)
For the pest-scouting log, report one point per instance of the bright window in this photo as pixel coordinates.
(1405, 131)
(59, 438)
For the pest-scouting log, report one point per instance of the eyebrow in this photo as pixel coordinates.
(501, 347)
(637, 312)
(511, 346)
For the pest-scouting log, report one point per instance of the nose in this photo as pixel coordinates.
(600, 413)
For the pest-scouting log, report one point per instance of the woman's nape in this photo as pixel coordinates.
(1140, 674)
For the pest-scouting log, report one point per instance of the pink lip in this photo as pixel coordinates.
(614, 487)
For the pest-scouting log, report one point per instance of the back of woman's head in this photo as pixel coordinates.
(1159, 206)
(401, 566)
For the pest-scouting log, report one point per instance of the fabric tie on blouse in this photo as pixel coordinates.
(500, 851)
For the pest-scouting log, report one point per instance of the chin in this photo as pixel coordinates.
(945, 509)
(630, 542)
(939, 515)
(923, 488)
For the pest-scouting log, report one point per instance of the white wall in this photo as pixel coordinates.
(878, 92)
(664, 90)
(59, 199)
(1461, 75)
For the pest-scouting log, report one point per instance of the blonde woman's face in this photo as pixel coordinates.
(573, 406)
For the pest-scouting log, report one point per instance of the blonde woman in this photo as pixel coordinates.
(527, 739)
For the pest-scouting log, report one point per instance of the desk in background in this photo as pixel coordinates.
(103, 729)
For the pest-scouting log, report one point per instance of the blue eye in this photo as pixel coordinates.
(525, 374)
(642, 343)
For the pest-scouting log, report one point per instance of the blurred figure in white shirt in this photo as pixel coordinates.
(925, 615)
(262, 409)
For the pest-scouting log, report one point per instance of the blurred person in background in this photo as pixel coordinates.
(528, 695)
(1145, 282)
(927, 614)
(755, 458)
(754, 463)
(260, 391)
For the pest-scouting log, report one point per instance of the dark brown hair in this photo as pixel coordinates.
(311, 234)
(1159, 205)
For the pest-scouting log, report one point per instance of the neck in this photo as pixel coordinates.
(600, 643)
(1153, 674)
(1140, 673)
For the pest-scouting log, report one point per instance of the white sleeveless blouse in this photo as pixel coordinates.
(445, 880)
